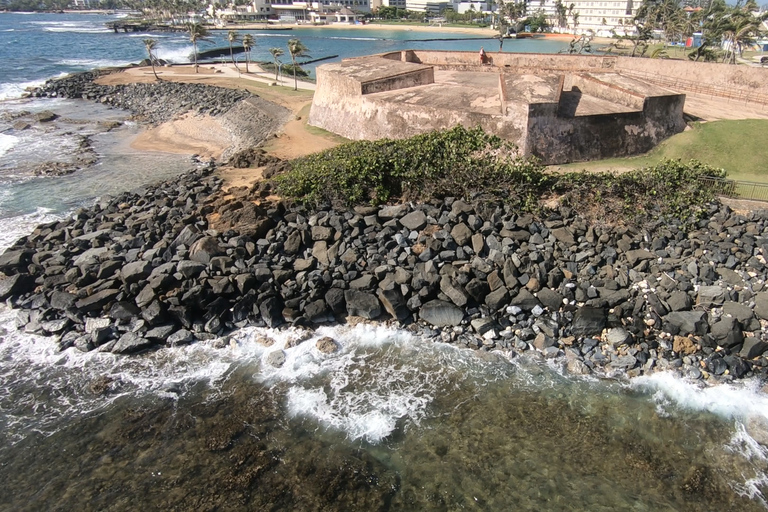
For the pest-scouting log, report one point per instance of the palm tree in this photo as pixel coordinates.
(297, 49)
(151, 44)
(197, 32)
(247, 44)
(276, 54)
(233, 37)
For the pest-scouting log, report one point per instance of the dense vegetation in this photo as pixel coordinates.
(473, 165)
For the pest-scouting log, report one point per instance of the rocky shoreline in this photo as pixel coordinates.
(249, 118)
(182, 261)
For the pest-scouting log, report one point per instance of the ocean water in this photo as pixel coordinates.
(389, 422)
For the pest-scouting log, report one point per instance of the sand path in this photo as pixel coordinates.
(205, 136)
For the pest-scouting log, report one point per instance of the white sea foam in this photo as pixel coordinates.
(356, 38)
(94, 63)
(725, 400)
(40, 387)
(743, 404)
(6, 143)
(72, 26)
(174, 55)
(9, 91)
(13, 228)
(378, 379)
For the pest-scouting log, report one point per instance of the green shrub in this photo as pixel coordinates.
(471, 164)
(669, 189)
(459, 162)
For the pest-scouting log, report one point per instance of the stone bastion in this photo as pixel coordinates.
(559, 108)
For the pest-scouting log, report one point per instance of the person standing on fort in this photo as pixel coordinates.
(482, 55)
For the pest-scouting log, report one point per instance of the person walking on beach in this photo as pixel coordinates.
(482, 55)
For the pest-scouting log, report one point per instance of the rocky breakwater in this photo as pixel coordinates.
(249, 118)
(183, 261)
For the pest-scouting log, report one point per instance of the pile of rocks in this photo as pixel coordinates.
(148, 268)
(153, 102)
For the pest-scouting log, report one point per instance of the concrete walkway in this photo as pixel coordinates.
(259, 75)
(229, 71)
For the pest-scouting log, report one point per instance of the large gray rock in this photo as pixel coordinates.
(637, 255)
(752, 348)
(761, 305)
(441, 314)
(550, 299)
(588, 321)
(454, 292)
(362, 304)
(617, 336)
(461, 234)
(15, 285)
(13, 261)
(679, 301)
(743, 314)
(204, 249)
(62, 300)
(188, 268)
(415, 220)
(497, 299)
(711, 295)
(524, 300)
(564, 235)
(131, 342)
(135, 271)
(727, 332)
(394, 303)
(276, 358)
(688, 322)
(97, 301)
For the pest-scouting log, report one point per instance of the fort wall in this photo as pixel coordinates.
(560, 108)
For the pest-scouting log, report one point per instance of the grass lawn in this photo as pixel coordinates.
(740, 147)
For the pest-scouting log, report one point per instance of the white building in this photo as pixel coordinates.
(600, 17)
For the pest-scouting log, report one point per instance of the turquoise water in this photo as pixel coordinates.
(39, 46)
(390, 422)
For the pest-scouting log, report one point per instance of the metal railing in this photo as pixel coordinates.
(737, 189)
(713, 91)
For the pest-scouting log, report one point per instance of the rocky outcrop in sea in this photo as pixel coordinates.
(183, 261)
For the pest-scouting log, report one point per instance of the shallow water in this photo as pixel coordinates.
(389, 422)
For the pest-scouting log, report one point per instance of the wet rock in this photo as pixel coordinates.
(180, 337)
(441, 314)
(130, 342)
(15, 285)
(327, 345)
(362, 304)
(276, 358)
(271, 311)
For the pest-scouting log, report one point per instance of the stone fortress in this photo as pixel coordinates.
(559, 108)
